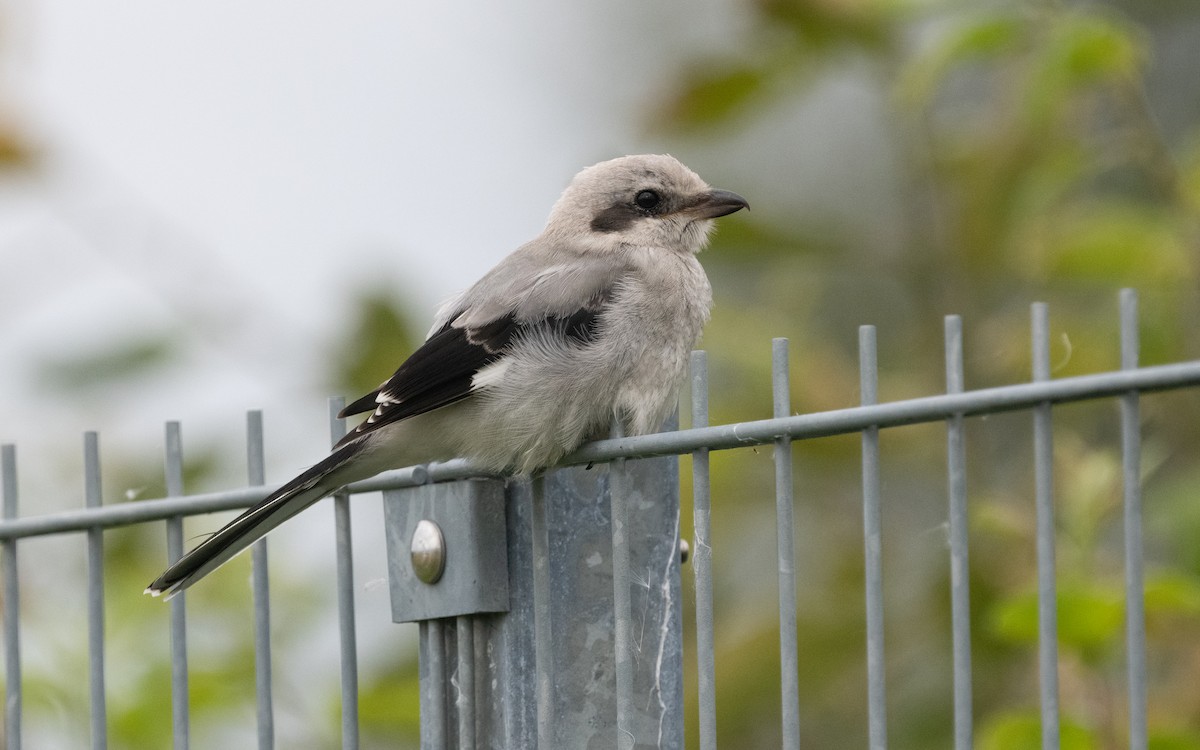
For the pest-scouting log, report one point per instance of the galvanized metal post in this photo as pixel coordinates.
(561, 692)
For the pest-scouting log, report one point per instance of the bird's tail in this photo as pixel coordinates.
(241, 532)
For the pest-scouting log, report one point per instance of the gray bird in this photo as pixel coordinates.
(592, 320)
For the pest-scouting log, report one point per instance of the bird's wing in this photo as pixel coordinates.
(455, 360)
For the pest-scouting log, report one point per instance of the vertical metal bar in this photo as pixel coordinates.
(1135, 604)
(872, 545)
(95, 582)
(12, 604)
(260, 590)
(622, 599)
(433, 685)
(179, 665)
(1043, 461)
(542, 623)
(786, 556)
(702, 561)
(960, 596)
(345, 596)
(465, 631)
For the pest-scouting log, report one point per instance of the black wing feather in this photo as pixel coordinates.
(441, 371)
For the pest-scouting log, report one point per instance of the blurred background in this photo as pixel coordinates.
(212, 207)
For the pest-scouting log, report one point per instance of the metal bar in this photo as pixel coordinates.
(891, 414)
(622, 599)
(542, 621)
(347, 630)
(12, 603)
(789, 668)
(179, 665)
(872, 546)
(95, 583)
(464, 629)
(960, 601)
(1135, 603)
(720, 437)
(142, 511)
(702, 561)
(260, 591)
(1043, 462)
(433, 686)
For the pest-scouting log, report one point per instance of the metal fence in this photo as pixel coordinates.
(557, 620)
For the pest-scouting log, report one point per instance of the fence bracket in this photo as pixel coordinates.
(473, 577)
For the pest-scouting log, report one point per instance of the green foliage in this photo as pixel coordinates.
(1091, 618)
(979, 38)
(1174, 739)
(381, 337)
(1032, 165)
(91, 371)
(390, 705)
(1023, 731)
(711, 96)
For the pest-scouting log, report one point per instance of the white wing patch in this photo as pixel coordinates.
(385, 399)
(490, 375)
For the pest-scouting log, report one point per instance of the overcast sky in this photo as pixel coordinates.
(242, 167)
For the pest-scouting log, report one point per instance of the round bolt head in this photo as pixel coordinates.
(428, 552)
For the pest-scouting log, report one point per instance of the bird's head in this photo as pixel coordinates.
(648, 200)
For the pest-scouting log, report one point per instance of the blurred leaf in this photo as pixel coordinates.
(1080, 50)
(1124, 241)
(712, 95)
(117, 364)
(740, 240)
(390, 704)
(822, 24)
(747, 671)
(1089, 48)
(1172, 593)
(1090, 617)
(1173, 739)
(382, 336)
(1090, 497)
(15, 149)
(1048, 181)
(1023, 731)
(984, 38)
(1004, 520)
(1189, 169)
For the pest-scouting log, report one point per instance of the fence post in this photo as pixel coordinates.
(566, 684)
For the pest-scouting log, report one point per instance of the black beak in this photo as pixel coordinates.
(718, 203)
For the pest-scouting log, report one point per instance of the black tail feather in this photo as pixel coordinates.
(241, 532)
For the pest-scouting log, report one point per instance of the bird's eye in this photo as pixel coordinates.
(647, 199)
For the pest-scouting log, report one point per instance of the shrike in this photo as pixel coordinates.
(590, 321)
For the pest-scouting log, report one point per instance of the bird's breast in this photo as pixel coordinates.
(663, 313)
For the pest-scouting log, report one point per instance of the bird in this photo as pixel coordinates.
(591, 321)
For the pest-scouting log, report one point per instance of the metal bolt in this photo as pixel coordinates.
(428, 552)
(685, 551)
